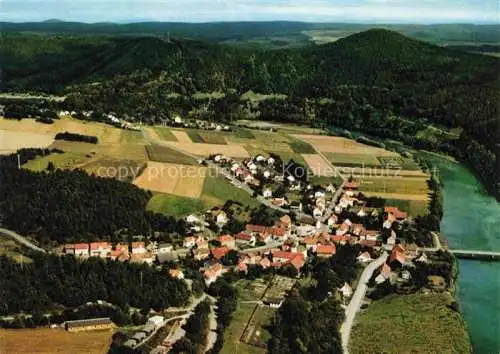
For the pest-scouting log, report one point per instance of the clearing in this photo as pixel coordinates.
(53, 341)
(67, 160)
(181, 180)
(417, 323)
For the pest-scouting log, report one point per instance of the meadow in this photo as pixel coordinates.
(174, 205)
(54, 341)
(417, 323)
(161, 153)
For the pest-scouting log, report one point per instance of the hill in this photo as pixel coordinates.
(378, 81)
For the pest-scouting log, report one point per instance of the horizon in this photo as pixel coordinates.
(423, 12)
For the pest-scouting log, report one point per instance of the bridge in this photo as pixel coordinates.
(479, 255)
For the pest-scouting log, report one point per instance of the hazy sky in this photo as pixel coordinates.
(408, 11)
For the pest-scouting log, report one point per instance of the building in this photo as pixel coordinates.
(219, 252)
(81, 250)
(385, 273)
(201, 254)
(164, 248)
(176, 273)
(139, 247)
(346, 291)
(245, 238)
(325, 250)
(189, 242)
(156, 321)
(90, 324)
(212, 273)
(100, 249)
(364, 257)
(226, 241)
(267, 193)
(395, 214)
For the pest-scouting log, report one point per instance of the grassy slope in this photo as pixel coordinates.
(217, 190)
(414, 323)
(173, 205)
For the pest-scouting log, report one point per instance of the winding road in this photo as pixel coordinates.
(355, 303)
(20, 239)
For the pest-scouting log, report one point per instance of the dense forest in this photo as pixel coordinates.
(50, 282)
(71, 206)
(76, 137)
(378, 81)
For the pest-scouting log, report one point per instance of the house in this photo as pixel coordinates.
(405, 275)
(189, 242)
(221, 218)
(342, 239)
(81, 249)
(332, 220)
(226, 241)
(242, 267)
(325, 250)
(357, 229)
(192, 219)
(331, 188)
(265, 263)
(385, 273)
(391, 240)
(296, 205)
(164, 248)
(319, 194)
(351, 185)
(260, 158)
(147, 258)
(90, 324)
(371, 235)
(310, 242)
(100, 249)
(138, 247)
(212, 273)
(176, 273)
(156, 321)
(274, 303)
(219, 252)
(244, 237)
(423, 258)
(201, 242)
(266, 174)
(387, 224)
(398, 255)
(305, 230)
(201, 254)
(69, 249)
(279, 202)
(285, 221)
(364, 257)
(361, 213)
(395, 213)
(297, 260)
(267, 193)
(346, 291)
(343, 229)
(317, 212)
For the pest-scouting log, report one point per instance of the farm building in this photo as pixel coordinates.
(88, 324)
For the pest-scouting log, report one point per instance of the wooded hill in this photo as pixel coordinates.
(369, 76)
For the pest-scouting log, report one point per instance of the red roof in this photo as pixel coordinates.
(283, 255)
(310, 240)
(398, 248)
(396, 212)
(265, 262)
(369, 243)
(219, 252)
(298, 261)
(351, 185)
(339, 238)
(278, 231)
(97, 245)
(138, 244)
(256, 228)
(81, 246)
(326, 249)
(243, 236)
(386, 270)
(225, 238)
(398, 256)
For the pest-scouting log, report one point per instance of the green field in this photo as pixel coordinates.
(319, 180)
(404, 163)
(217, 190)
(243, 133)
(195, 136)
(131, 137)
(165, 133)
(232, 334)
(166, 154)
(123, 170)
(395, 185)
(211, 137)
(301, 147)
(416, 323)
(63, 161)
(353, 160)
(173, 205)
(413, 207)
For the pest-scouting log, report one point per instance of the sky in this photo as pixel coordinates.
(372, 11)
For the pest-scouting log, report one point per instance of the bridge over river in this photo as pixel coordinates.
(479, 255)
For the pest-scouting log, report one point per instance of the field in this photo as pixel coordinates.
(181, 136)
(394, 185)
(173, 205)
(123, 170)
(68, 160)
(416, 323)
(161, 153)
(318, 165)
(347, 159)
(11, 141)
(181, 180)
(217, 190)
(301, 147)
(413, 207)
(53, 341)
(162, 133)
(256, 332)
(195, 137)
(204, 150)
(342, 145)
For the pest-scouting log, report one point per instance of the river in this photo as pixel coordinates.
(472, 221)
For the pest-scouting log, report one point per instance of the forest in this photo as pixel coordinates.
(76, 137)
(52, 282)
(71, 206)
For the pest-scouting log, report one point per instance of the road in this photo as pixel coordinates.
(20, 239)
(355, 303)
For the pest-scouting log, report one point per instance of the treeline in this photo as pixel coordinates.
(71, 206)
(50, 281)
(76, 137)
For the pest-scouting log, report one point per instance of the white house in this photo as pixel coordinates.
(189, 242)
(364, 257)
(177, 119)
(221, 218)
(156, 321)
(81, 249)
(260, 158)
(317, 212)
(164, 248)
(319, 194)
(332, 220)
(291, 178)
(267, 193)
(267, 174)
(391, 241)
(139, 248)
(387, 224)
(361, 213)
(192, 219)
(271, 161)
